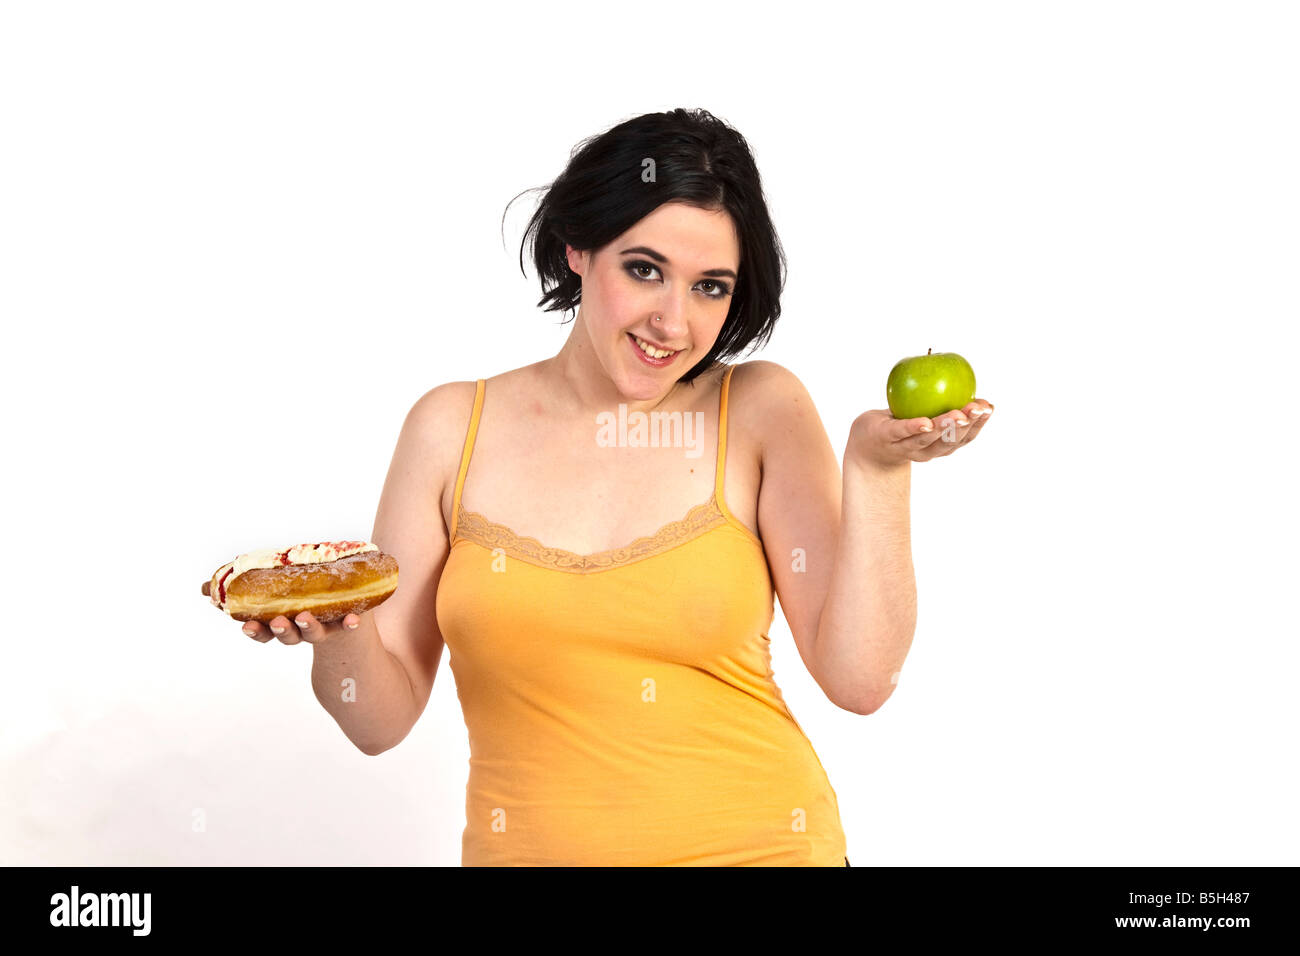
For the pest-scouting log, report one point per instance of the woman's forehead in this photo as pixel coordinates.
(687, 236)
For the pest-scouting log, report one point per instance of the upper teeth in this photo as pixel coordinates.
(650, 350)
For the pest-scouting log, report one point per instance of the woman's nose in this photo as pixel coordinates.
(669, 318)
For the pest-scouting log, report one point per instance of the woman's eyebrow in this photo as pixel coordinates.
(663, 260)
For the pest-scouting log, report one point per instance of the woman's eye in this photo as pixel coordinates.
(719, 290)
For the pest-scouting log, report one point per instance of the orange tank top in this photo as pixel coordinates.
(621, 706)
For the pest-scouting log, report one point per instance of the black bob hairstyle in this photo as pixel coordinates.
(698, 160)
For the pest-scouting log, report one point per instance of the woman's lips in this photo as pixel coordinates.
(652, 362)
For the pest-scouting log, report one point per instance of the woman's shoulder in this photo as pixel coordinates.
(443, 402)
(443, 412)
(436, 423)
(454, 393)
(763, 372)
(765, 399)
(760, 388)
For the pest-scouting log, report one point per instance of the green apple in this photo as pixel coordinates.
(924, 386)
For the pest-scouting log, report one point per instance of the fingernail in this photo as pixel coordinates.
(276, 630)
(303, 622)
(354, 624)
(926, 428)
(249, 631)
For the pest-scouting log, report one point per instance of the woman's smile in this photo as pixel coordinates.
(637, 346)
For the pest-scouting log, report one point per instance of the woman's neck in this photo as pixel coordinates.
(580, 388)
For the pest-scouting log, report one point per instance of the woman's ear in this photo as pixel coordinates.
(577, 260)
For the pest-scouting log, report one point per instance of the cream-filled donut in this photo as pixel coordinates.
(327, 579)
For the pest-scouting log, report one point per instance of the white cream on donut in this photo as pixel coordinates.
(318, 553)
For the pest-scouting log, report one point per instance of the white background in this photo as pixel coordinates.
(238, 240)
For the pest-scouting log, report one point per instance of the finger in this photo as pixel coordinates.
(311, 630)
(284, 630)
(257, 631)
(911, 427)
(978, 411)
(950, 428)
(939, 441)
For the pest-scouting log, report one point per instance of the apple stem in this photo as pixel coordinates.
(928, 351)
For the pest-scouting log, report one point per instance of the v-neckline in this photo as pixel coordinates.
(697, 521)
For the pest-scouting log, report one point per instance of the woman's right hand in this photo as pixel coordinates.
(303, 628)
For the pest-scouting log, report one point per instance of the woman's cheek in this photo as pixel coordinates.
(622, 303)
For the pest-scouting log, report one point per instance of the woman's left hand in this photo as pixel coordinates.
(879, 440)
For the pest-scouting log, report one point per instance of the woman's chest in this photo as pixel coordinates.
(588, 491)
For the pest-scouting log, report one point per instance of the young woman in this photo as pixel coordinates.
(597, 538)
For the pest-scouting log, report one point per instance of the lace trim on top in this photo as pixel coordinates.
(475, 527)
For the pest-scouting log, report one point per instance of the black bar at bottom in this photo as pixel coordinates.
(239, 904)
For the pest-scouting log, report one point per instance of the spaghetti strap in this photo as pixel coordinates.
(465, 455)
(720, 470)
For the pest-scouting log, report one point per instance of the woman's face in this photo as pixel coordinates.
(680, 263)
